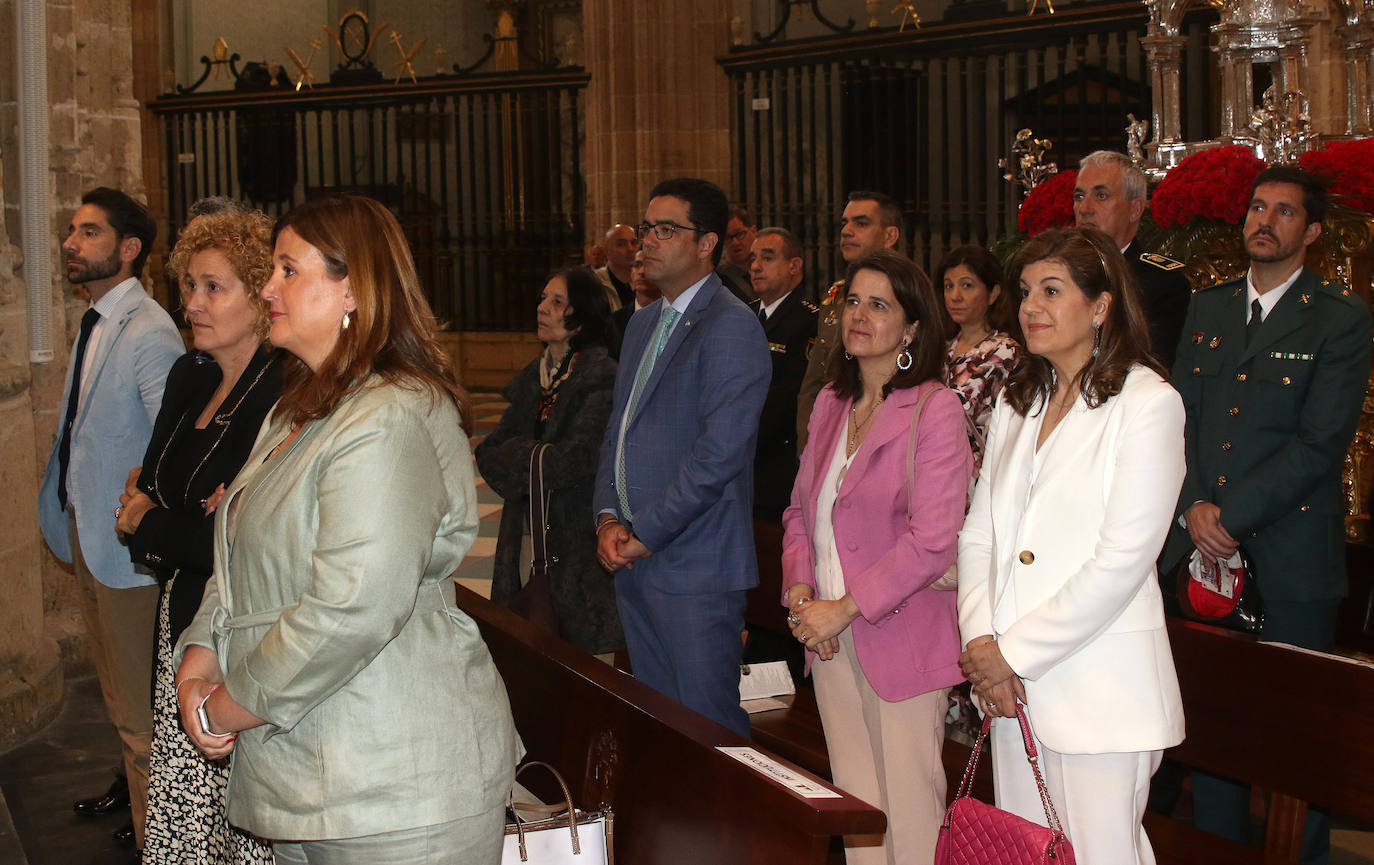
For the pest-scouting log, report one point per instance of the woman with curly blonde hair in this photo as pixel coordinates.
(215, 400)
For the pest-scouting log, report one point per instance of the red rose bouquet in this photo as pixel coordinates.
(1211, 184)
(1349, 167)
(1048, 205)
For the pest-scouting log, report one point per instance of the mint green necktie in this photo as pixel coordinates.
(667, 320)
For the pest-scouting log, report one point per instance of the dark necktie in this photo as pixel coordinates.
(73, 399)
(1256, 319)
(763, 316)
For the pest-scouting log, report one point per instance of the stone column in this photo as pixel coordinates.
(1165, 55)
(30, 662)
(658, 105)
(95, 140)
(1359, 50)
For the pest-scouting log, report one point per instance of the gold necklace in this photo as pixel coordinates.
(853, 443)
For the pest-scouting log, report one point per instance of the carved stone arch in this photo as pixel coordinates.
(1166, 16)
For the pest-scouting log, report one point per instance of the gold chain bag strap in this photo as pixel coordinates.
(976, 833)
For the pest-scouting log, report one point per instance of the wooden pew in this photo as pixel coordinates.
(615, 740)
(1298, 724)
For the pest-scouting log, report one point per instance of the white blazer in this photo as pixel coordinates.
(1057, 560)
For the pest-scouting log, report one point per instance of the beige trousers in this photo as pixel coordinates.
(120, 629)
(887, 754)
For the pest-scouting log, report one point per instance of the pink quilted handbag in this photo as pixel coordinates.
(975, 833)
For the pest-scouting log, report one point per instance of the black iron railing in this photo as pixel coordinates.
(925, 114)
(484, 172)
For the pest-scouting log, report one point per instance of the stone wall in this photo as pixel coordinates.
(95, 140)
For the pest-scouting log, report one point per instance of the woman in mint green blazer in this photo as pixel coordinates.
(362, 712)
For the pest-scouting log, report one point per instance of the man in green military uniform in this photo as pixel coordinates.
(871, 221)
(1272, 368)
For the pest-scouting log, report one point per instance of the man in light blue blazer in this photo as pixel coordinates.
(114, 388)
(674, 486)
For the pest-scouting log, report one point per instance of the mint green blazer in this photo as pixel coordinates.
(331, 613)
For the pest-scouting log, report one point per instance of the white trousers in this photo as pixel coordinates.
(1100, 798)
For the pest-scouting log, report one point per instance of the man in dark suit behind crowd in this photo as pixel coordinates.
(1272, 369)
(1109, 195)
(789, 323)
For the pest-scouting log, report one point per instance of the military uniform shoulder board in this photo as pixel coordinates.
(1163, 262)
(833, 293)
(1342, 292)
(810, 307)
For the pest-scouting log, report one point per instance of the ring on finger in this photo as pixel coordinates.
(793, 619)
(119, 510)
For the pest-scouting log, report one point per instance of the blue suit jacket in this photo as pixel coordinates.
(689, 450)
(114, 421)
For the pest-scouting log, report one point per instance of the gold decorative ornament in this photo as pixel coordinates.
(908, 10)
(220, 53)
(1027, 165)
(406, 66)
(306, 78)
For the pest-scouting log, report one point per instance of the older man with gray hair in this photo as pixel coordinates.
(1109, 195)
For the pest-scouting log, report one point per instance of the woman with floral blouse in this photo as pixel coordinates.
(983, 348)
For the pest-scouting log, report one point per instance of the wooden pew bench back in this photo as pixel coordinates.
(617, 741)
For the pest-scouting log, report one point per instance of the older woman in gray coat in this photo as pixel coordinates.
(364, 715)
(562, 398)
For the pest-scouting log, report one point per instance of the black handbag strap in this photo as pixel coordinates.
(538, 513)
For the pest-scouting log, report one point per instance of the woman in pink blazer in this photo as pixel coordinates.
(862, 549)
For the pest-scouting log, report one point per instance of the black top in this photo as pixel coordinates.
(184, 465)
(1164, 294)
(791, 331)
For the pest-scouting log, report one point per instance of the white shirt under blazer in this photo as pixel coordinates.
(1057, 559)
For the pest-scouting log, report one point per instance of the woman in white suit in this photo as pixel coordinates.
(1059, 607)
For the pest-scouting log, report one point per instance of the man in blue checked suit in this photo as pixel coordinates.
(674, 486)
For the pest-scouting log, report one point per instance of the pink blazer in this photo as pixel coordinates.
(907, 637)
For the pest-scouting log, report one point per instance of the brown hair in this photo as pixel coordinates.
(1095, 265)
(245, 238)
(916, 296)
(985, 266)
(393, 333)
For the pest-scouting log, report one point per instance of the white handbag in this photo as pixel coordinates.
(567, 836)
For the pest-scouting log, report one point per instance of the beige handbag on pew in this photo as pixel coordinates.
(567, 836)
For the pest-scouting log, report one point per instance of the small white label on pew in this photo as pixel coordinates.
(766, 765)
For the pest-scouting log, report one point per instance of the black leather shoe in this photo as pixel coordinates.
(124, 835)
(114, 799)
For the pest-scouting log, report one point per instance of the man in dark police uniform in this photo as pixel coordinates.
(1109, 195)
(789, 323)
(1272, 368)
